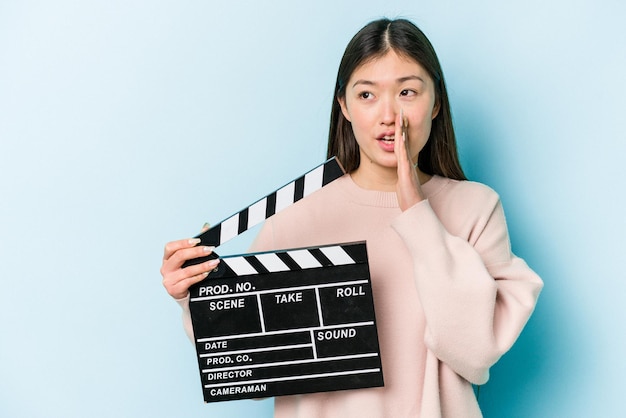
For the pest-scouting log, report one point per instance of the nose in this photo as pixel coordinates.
(389, 110)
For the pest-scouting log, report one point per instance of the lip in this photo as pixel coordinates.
(386, 146)
(384, 134)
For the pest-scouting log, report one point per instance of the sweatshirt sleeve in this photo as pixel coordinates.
(476, 295)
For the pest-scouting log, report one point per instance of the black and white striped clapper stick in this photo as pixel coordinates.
(271, 204)
(291, 260)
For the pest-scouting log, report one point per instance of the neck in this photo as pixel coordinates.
(382, 179)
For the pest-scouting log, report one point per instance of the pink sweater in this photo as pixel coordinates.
(450, 297)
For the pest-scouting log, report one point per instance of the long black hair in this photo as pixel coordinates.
(439, 155)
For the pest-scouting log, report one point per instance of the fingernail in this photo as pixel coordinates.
(206, 226)
(208, 249)
(194, 241)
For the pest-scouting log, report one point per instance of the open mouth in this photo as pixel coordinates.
(387, 138)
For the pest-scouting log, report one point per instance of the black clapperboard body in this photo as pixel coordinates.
(285, 322)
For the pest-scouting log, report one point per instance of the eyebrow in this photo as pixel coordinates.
(398, 81)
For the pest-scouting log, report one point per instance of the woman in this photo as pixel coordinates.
(450, 297)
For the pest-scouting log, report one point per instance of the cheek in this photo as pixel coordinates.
(359, 121)
(420, 131)
(420, 124)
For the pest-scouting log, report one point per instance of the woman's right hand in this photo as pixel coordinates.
(177, 279)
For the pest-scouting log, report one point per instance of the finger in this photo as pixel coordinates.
(205, 227)
(171, 278)
(180, 289)
(401, 145)
(174, 246)
(196, 269)
(177, 283)
(405, 139)
(179, 257)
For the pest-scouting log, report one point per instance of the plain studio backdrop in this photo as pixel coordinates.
(127, 124)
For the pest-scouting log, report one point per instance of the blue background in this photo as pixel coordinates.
(127, 124)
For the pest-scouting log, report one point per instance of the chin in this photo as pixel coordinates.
(384, 161)
(387, 164)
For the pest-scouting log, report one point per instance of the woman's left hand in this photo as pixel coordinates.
(408, 187)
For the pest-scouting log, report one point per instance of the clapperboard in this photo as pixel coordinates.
(285, 322)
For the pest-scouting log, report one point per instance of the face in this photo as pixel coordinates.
(375, 94)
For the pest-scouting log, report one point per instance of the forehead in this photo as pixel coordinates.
(389, 67)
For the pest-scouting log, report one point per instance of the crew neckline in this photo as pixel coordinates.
(385, 199)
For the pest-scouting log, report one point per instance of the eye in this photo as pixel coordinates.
(366, 95)
(408, 93)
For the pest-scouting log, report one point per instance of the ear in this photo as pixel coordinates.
(436, 109)
(344, 108)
